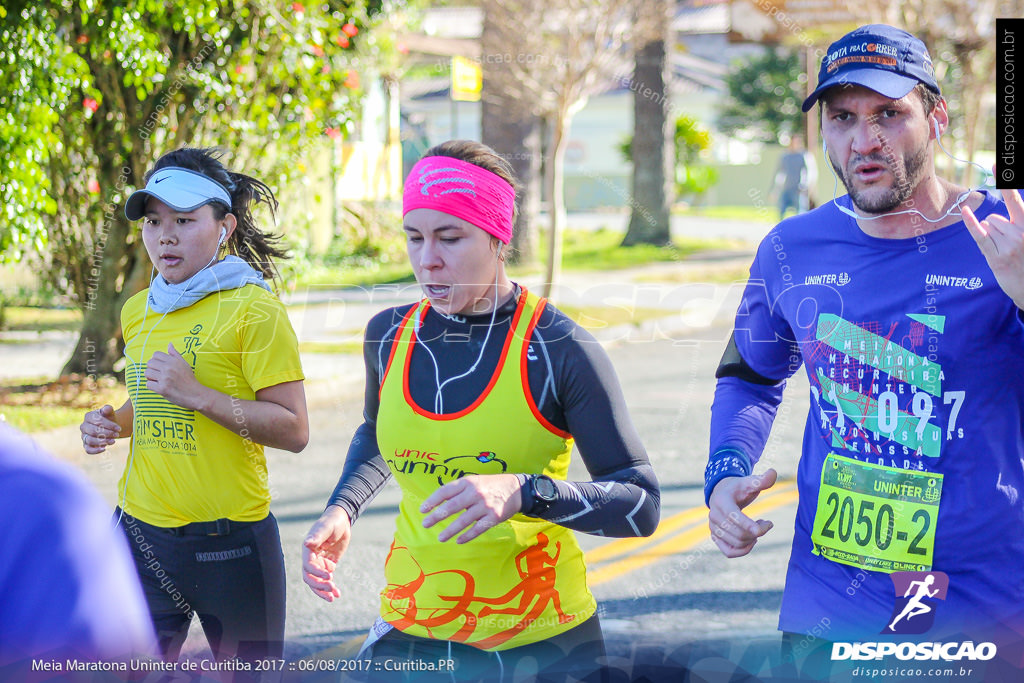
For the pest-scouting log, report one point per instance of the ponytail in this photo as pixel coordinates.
(248, 242)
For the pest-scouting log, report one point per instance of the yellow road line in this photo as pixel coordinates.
(682, 542)
(624, 546)
(668, 526)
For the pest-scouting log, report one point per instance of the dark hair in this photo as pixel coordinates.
(929, 98)
(479, 154)
(247, 242)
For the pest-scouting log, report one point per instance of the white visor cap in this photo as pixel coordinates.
(178, 188)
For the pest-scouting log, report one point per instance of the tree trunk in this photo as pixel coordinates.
(515, 135)
(98, 341)
(556, 195)
(112, 282)
(517, 140)
(510, 127)
(652, 145)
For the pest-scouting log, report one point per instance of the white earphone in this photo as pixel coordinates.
(439, 395)
(223, 235)
(950, 212)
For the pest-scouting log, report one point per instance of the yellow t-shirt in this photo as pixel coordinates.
(187, 468)
(518, 583)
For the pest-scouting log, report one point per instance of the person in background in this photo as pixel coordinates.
(794, 178)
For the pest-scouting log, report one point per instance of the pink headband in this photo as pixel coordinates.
(463, 190)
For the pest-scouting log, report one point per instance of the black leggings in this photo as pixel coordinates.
(576, 654)
(233, 581)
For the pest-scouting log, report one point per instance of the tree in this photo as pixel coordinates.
(510, 125)
(765, 94)
(99, 89)
(560, 53)
(691, 143)
(652, 157)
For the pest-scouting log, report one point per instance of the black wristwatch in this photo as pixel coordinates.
(540, 494)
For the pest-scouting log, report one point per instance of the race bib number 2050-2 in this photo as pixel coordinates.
(876, 517)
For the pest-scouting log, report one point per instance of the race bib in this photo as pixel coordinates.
(876, 517)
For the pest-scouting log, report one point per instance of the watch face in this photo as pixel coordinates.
(544, 488)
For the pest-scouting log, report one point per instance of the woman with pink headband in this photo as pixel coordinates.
(474, 399)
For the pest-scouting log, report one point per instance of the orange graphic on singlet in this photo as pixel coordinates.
(536, 589)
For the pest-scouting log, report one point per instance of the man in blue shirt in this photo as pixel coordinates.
(902, 300)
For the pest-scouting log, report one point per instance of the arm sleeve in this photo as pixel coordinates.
(741, 420)
(365, 472)
(748, 394)
(624, 498)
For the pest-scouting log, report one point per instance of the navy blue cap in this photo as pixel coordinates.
(888, 60)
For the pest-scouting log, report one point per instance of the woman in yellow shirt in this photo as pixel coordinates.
(213, 375)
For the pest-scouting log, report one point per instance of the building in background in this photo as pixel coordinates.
(596, 175)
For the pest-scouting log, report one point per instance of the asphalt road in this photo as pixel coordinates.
(665, 602)
(675, 584)
(671, 596)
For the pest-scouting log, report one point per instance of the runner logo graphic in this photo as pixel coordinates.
(917, 595)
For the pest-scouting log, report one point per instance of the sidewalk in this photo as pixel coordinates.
(692, 305)
(693, 293)
(338, 314)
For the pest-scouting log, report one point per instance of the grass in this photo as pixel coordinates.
(600, 250)
(594, 318)
(348, 276)
(33, 406)
(583, 250)
(36, 405)
(750, 214)
(722, 275)
(39, 419)
(30, 319)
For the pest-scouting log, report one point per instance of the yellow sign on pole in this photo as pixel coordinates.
(466, 80)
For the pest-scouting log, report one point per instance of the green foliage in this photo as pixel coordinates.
(692, 143)
(37, 74)
(93, 91)
(765, 94)
(693, 179)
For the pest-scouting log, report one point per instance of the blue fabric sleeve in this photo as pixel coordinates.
(763, 336)
(742, 412)
(82, 598)
(741, 419)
